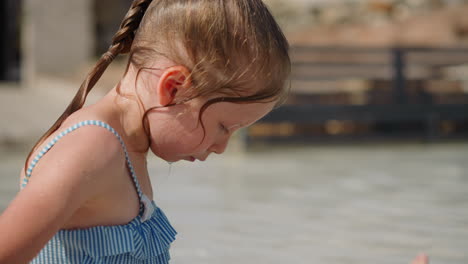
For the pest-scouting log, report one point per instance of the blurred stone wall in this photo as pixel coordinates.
(374, 22)
(57, 36)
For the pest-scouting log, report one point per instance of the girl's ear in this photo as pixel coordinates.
(173, 82)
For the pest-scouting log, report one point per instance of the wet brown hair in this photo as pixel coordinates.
(233, 49)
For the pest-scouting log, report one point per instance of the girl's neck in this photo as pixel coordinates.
(125, 115)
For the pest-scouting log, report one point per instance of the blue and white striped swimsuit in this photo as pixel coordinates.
(146, 239)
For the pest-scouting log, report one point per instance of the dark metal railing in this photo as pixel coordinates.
(395, 67)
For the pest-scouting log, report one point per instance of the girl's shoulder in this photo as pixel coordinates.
(77, 146)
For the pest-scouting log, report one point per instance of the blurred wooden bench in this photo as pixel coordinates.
(348, 91)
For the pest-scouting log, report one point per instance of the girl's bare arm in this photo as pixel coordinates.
(72, 172)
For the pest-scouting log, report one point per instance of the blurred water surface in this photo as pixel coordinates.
(324, 204)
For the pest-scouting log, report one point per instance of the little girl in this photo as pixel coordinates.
(198, 70)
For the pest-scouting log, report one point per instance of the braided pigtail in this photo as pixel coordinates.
(121, 44)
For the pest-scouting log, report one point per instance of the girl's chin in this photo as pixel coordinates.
(188, 158)
(166, 159)
(172, 160)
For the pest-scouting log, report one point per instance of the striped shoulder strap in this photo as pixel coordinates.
(72, 128)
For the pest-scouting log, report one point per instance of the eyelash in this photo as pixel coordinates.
(223, 128)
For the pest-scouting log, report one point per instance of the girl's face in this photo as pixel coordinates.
(177, 134)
